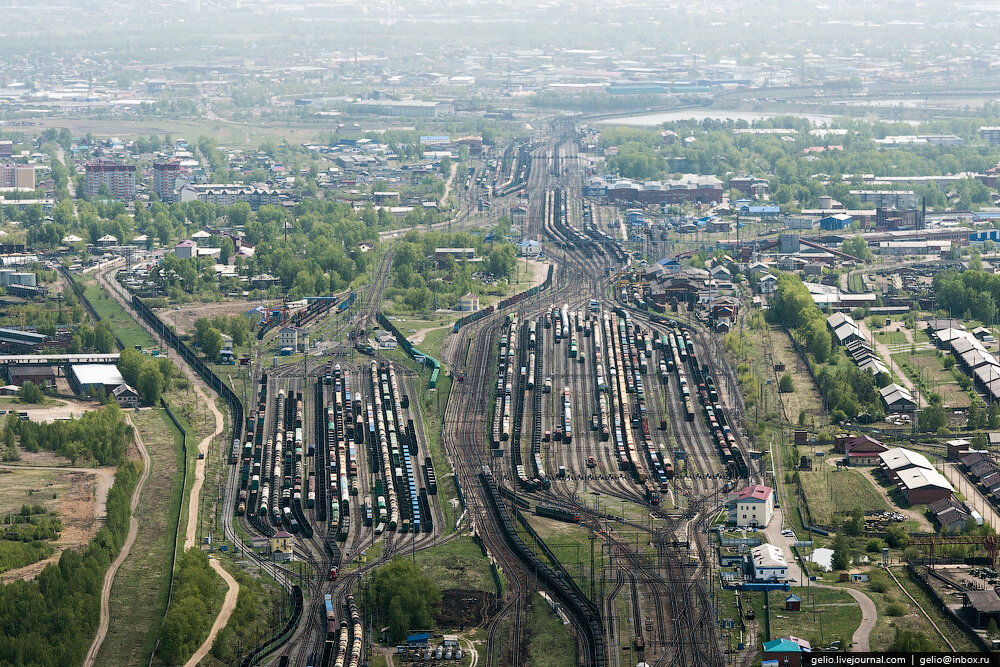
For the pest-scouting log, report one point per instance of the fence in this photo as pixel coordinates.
(177, 527)
(520, 296)
(255, 655)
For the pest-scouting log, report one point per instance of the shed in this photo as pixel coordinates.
(981, 606)
(418, 639)
(793, 603)
(42, 376)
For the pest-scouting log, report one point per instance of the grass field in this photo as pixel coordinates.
(891, 337)
(121, 323)
(32, 487)
(457, 564)
(926, 368)
(830, 491)
(836, 616)
(139, 593)
(550, 644)
(570, 543)
(910, 618)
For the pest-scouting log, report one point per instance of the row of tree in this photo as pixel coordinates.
(847, 390)
(51, 620)
(189, 618)
(149, 376)
(101, 435)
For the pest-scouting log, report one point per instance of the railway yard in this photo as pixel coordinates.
(571, 408)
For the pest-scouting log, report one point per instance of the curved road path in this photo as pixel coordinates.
(109, 576)
(189, 538)
(229, 603)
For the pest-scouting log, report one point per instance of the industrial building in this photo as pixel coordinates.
(887, 198)
(752, 507)
(768, 563)
(408, 108)
(84, 378)
(689, 188)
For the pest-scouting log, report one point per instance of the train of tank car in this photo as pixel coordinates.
(620, 360)
(678, 353)
(271, 475)
(344, 641)
(274, 492)
(401, 501)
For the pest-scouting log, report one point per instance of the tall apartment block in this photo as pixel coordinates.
(119, 177)
(164, 179)
(14, 175)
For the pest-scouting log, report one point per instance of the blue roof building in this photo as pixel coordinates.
(422, 638)
(835, 222)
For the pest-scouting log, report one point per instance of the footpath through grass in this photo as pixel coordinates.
(139, 593)
(130, 331)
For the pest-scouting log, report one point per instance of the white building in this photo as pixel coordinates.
(768, 563)
(752, 507)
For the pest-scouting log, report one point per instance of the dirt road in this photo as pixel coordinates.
(229, 604)
(109, 576)
(189, 538)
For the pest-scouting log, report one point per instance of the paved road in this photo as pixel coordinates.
(869, 614)
(109, 576)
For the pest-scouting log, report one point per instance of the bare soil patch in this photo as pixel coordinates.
(464, 607)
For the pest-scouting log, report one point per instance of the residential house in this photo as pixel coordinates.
(126, 396)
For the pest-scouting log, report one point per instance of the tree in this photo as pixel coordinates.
(991, 629)
(977, 418)
(910, 641)
(932, 418)
(855, 524)
(130, 361)
(785, 385)
(30, 393)
(104, 339)
(993, 418)
(404, 597)
(150, 383)
(841, 553)
(857, 247)
(896, 537)
(211, 343)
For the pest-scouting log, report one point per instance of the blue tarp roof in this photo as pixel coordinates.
(782, 646)
(424, 637)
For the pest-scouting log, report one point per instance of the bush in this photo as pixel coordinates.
(785, 385)
(895, 609)
(877, 585)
